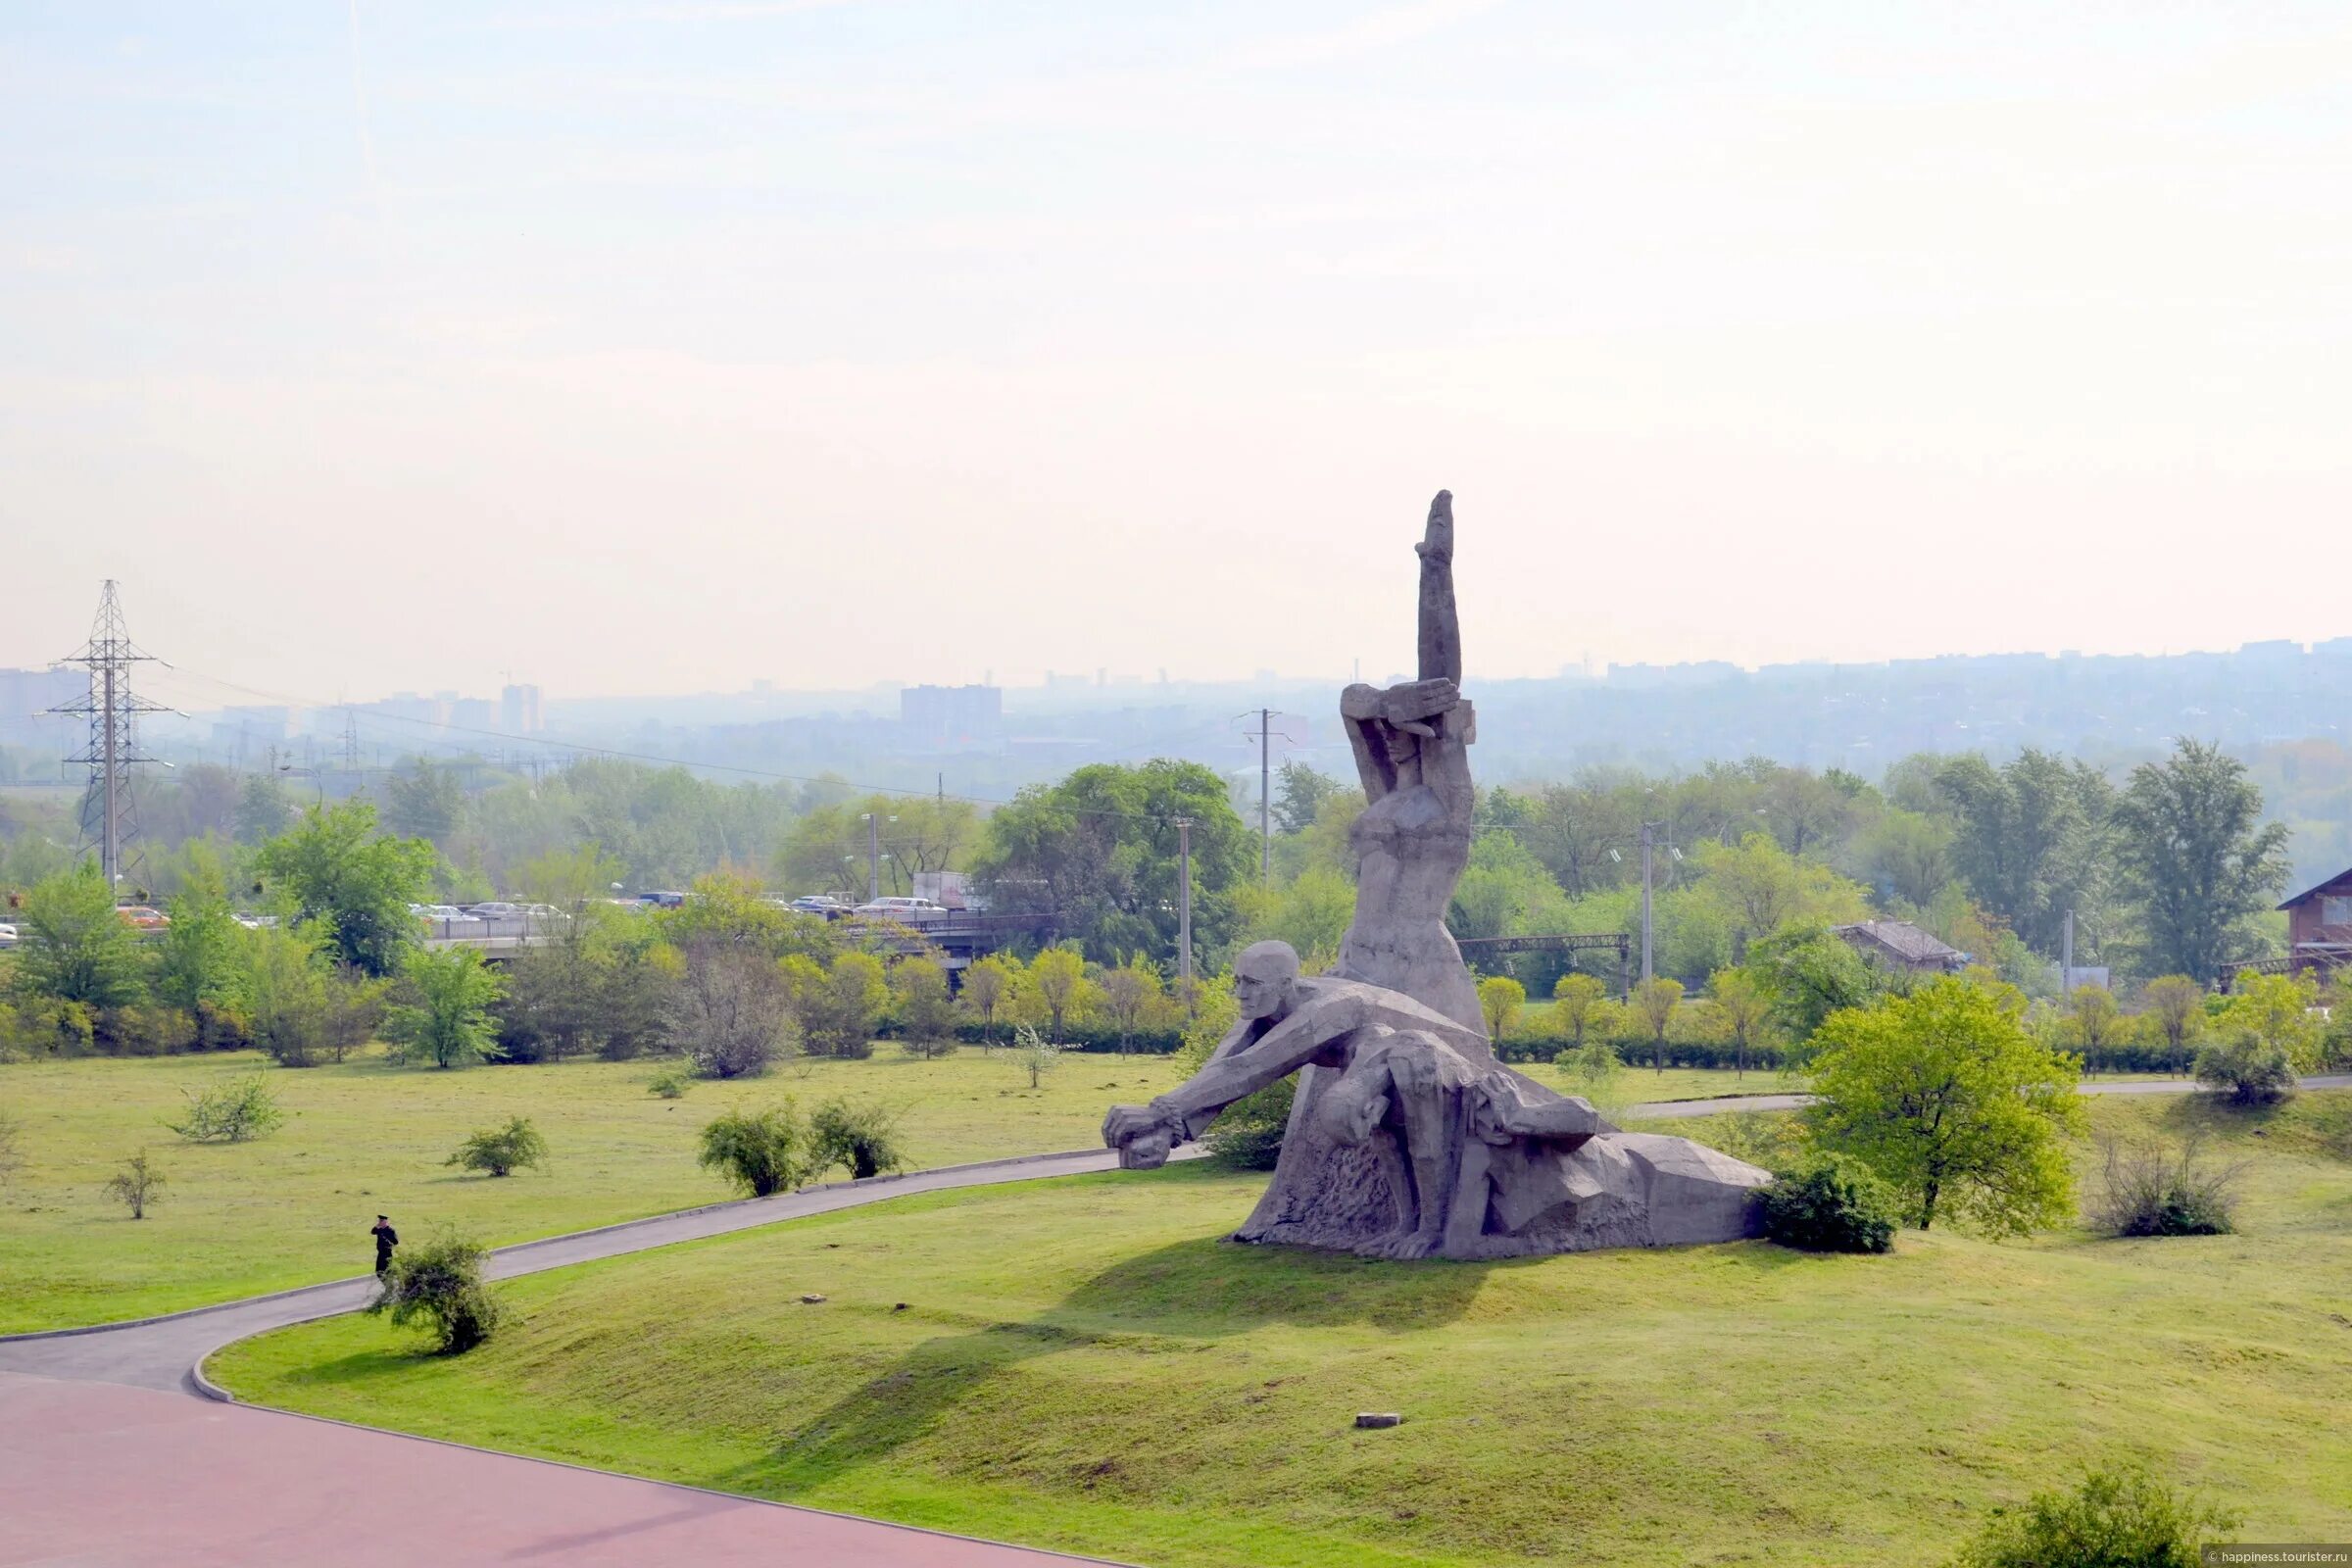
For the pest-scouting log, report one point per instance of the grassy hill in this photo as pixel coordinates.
(1084, 1364)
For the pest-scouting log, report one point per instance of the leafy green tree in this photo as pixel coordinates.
(335, 868)
(727, 910)
(1760, 887)
(261, 809)
(439, 1284)
(2093, 1024)
(73, 945)
(299, 1005)
(1907, 856)
(763, 1151)
(731, 1009)
(1745, 1008)
(1130, 994)
(925, 1012)
(1300, 790)
(2114, 1519)
(825, 851)
(839, 1008)
(2032, 837)
(1035, 1055)
(2196, 857)
(1654, 1004)
(1311, 912)
(2175, 1015)
(1946, 1095)
(574, 880)
(425, 803)
(988, 984)
(1058, 975)
(231, 1112)
(1499, 999)
(1098, 849)
(1574, 1001)
(1811, 974)
(861, 1139)
(138, 1185)
(444, 1016)
(503, 1151)
(200, 961)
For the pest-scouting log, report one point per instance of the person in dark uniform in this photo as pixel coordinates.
(385, 1241)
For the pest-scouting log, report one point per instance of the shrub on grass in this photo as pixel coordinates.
(439, 1286)
(763, 1151)
(1829, 1203)
(2253, 1071)
(669, 1083)
(863, 1138)
(136, 1184)
(230, 1113)
(503, 1151)
(2151, 1188)
(2114, 1519)
(1033, 1054)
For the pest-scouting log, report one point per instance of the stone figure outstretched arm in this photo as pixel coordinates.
(1441, 638)
(1187, 1109)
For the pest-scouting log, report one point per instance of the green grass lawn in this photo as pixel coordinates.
(1084, 1364)
(294, 1207)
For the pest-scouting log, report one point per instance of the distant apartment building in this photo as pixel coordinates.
(951, 718)
(25, 694)
(518, 710)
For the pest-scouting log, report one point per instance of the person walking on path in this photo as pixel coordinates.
(385, 1240)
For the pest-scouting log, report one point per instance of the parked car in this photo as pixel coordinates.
(906, 911)
(498, 910)
(142, 918)
(825, 903)
(267, 922)
(447, 914)
(661, 901)
(8, 936)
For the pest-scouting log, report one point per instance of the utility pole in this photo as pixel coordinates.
(873, 857)
(1184, 911)
(108, 806)
(1648, 839)
(1265, 791)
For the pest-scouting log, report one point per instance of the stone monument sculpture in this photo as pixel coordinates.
(1406, 1138)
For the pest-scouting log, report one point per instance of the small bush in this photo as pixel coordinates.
(2254, 1071)
(503, 1151)
(230, 1113)
(1247, 1134)
(2150, 1187)
(12, 1145)
(439, 1284)
(670, 1083)
(137, 1184)
(2114, 1519)
(763, 1151)
(1830, 1203)
(1033, 1054)
(862, 1138)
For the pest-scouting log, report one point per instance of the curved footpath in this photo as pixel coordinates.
(104, 1459)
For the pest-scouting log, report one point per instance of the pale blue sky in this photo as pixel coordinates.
(666, 345)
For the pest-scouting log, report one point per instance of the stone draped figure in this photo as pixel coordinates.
(1406, 1138)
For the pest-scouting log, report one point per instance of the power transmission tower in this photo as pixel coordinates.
(110, 810)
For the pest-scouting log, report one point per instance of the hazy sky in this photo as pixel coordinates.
(640, 347)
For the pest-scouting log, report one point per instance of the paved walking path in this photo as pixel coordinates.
(104, 1459)
(2144, 1086)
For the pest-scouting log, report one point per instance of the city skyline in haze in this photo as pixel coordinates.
(659, 348)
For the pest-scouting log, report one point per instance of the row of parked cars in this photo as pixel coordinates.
(907, 912)
(496, 911)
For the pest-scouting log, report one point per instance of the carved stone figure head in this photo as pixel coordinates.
(1265, 979)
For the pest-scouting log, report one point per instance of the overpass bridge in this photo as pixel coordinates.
(960, 935)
